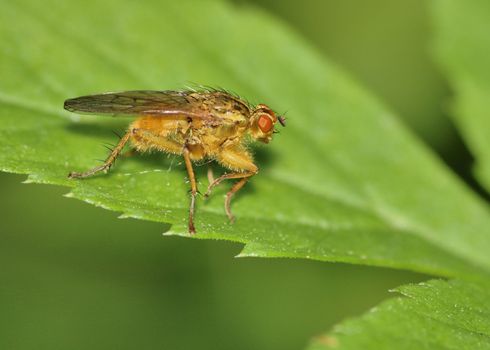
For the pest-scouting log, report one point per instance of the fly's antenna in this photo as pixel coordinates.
(282, 120)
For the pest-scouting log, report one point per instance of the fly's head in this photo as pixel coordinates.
(262, 123)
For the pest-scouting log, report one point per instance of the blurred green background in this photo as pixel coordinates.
(75, 277)
(386, 46)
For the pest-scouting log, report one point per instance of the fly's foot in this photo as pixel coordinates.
(104, 168)
(192, 208)
(207, 194)
(74, 175)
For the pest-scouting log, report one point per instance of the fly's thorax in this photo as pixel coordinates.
(262, 123)
(227, 130)
(215, 138)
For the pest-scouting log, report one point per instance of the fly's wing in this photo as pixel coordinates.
(156, 103)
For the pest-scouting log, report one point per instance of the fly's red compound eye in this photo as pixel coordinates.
(265, 123)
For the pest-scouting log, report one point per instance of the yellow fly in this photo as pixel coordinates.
(196, 124)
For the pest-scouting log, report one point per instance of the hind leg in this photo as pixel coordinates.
(107, 163)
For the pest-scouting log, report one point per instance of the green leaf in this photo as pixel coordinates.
(463, 49)
(343, 181)
(433, 315)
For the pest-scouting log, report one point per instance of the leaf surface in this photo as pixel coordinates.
(344, 181)
(433, 315)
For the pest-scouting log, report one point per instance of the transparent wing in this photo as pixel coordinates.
(142, 102)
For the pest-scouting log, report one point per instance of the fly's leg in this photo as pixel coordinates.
(244, 176)
(107, 163)
(234, 189)
(237, 175)
(210, 175)
(234, 158)
(192, 179)
(145, 139)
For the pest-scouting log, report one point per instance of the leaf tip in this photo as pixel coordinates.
(30, 179)
(249, 251)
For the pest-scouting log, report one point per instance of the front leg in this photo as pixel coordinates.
(236, 158)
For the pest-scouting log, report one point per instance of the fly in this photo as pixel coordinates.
(210, 123)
